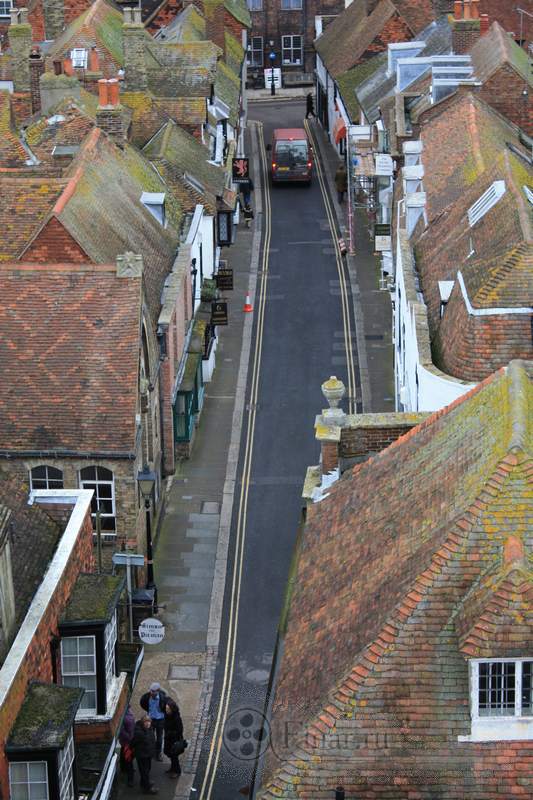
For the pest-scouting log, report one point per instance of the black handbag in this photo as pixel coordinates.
(179, 747)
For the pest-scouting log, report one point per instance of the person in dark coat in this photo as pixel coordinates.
(341, 181)
(246, 191)
(309, 107)
(173, 733)
(154, 702)
(125, 738)
(143, 744)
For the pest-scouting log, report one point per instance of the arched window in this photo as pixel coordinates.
(46, 477)
(102, 482)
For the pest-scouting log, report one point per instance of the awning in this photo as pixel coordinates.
(339, 130)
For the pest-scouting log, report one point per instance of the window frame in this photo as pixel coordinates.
(291, 5)
(79, 54)
(65, 773)
(110, 648)
(49, 481)
(254, 61)
(28, 783)
(499, 727)
(254, 5)
(8, 4)
(292, 49)
(85, 710)
(93, 483)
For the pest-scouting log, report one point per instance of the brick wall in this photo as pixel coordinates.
(376, 434)
(36, 663)
(465, 33)
(395, 30)
(471, 347)
(504, 92)
(54, 243)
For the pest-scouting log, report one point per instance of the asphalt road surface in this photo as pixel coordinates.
(302, 337)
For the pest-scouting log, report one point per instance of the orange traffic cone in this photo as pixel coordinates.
(247, 305)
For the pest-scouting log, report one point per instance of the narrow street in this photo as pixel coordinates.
(299, 339)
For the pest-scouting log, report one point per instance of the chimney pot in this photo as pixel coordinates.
(24, 16)
(113, 92)
(458, 9)
(14, 16)
(103, 94)
(484, 24)
(474, 8)
(466, 9)
(94, 61)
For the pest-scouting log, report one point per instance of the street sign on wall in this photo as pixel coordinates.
(382, 237)
(219, 313)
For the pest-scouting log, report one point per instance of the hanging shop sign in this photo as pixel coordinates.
(382, 237)
(219, 313)
(224, 279)
(151, 631)
(240, 170)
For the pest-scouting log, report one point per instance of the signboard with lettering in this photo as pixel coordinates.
(384, 165)
(382, 237)
(151, 631)
(272, 73)
(240, 170)
(224, 279)
(219, 313)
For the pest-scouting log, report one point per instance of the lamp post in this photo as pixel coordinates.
(146, 481)
(272, 57)
(194, 273)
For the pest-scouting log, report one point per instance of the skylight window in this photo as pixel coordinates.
(487, 200)
(154, 202)
(529, 194)
(79, 57)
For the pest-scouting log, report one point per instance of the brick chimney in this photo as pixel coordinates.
(54, 18)
(134, 39)
(110, 114)
(214, 23)
(484, 24)
(20, 41)
(36, 70)
(466, 25)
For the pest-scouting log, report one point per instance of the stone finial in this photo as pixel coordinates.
(129, 265)
(333, 390)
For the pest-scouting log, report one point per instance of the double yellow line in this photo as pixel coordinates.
(216, 742)
(345, 300)
(227, 680)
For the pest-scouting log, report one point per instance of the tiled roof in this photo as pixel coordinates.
(465, 151)
(234, 53)
(177, 148)
(372, 90)
(351, 80)
(187, 26)
(69, 128)
(147, 116)
(417, 13)
(507, 16)
(33, 536)
(372, 682)
(12, 152)
(239, 10)
(495, 49)
(228, 89)
(99, 25)
(24, 207)
(71, 358)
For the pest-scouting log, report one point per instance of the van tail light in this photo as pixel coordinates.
(274, 165)
(309, 165)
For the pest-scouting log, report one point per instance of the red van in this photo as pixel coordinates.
(292, 156)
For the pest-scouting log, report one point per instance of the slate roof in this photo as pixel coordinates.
(177, 155)
(372, 681)
(101, 26)
(71, 358)
(374, 88)
(346, 38)
(465, 151)
(495, 49)
(33, 535)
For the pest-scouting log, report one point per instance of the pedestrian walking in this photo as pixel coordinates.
(309, 106)
(248, 214)
(341, 181)
(154, 702)
(125, 738)
(174, 741)
(246, 191)
(143, 743)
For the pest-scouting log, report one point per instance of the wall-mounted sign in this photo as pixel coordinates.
(240, 170)
(382, 237)
(384, 165)
(224, 279)
(219, 313)
(151, 631)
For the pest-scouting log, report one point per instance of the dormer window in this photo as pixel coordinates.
(79, 57)
(501, 699)
(154, 202)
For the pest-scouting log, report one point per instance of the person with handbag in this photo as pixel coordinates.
(125, 738)
(175, 744)
(144, 747)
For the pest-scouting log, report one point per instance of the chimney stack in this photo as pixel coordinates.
(484, 24)
(110, 114)
(466, 25)
(54, 18)
(36, 70)
(134, 38)
(20, 41)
